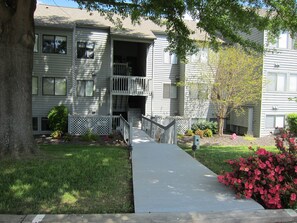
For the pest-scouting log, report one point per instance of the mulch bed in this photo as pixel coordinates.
(114, 139)
(227, 140)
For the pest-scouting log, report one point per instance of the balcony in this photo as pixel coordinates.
(130, 85)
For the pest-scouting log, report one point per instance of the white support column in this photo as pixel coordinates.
(110, 81)
(250, 120)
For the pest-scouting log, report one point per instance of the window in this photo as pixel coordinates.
(35, 123)
(85, 50)
(276, 81)
(273, 121)
(200, 56)
(36, 43)
(170, 58)
(54, 44)
(53, 86)
(280, 42)
(169, 91)
(85, 88)
(199, 91)
(34, 85)
(293, 82)
(44, 124)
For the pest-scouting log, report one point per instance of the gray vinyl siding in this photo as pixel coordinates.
(164, 73)
(51, 65)
(196, 108)
(97, 69)
(287, 61)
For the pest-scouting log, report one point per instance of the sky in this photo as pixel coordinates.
(64, 3)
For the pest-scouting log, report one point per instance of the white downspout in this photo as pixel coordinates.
(73, 68)
(153, 71)
(110, 81)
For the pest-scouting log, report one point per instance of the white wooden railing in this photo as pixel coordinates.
(130, 85)
(160, 133)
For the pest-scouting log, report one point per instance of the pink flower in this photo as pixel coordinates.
(261, 152)
(293, 197)
(257, 172)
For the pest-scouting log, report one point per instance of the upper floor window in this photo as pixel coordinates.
(199, 91)
(280, 42)
(54, 44)
(36, 43)
(200, 56)
(293, 82)
(85, 50)
(85, 88)
(170, 58)
(34, 85)
(276, 81)
(169, 91)
(54, 86)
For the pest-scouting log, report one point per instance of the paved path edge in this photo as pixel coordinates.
(260, 216)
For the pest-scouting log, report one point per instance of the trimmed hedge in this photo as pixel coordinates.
(292, 122)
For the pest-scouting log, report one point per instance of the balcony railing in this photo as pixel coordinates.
(130, 85)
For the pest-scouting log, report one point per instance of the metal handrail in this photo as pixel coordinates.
(152, 133)
(126, 130)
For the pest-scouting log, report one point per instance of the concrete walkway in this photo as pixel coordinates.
(167, 179)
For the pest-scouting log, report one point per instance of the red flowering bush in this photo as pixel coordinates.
(269, 178)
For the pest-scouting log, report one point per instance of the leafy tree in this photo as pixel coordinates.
(235, 80)
(226, 19)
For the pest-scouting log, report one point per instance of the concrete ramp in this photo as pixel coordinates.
(167, 179)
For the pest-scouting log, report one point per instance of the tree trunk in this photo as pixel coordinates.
(221, 125)
(16, 64)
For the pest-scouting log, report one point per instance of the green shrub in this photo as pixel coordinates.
(189, 132)
(57, 134)
(89, 136)
(203, 125)
(292, 122)
(58, 118)
(200, 133)
(207, 133)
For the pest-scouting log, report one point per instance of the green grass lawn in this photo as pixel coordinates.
(68, 179)
(215, 157)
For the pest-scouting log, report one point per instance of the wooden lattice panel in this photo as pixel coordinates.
(79, 125)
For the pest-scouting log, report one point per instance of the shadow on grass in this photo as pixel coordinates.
(68, 179)
(215, 157)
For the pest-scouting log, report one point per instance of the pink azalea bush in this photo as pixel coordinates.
(269, 178)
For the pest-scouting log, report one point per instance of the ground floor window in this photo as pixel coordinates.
(35, 123)
(85, 88)
(34, 85)
(275, 121)
(44, 124)
(54, 86)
